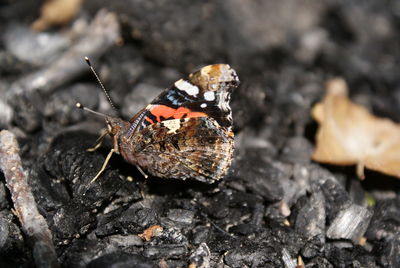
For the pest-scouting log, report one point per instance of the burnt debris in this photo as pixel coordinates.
(275, 207)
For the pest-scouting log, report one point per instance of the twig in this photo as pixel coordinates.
(33, 224)
(101, 34)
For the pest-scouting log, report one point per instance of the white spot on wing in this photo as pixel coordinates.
(209, 95)
(224, 99)
(189, 88)
(172, 125)
(203, 105)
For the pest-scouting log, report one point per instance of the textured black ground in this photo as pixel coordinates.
(274, 205)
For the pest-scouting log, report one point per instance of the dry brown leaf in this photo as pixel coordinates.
(150, 232)
(56, 12)
(349, 135)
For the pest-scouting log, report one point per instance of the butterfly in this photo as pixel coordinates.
(185, 132)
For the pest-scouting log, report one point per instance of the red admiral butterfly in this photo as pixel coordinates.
(186, 132)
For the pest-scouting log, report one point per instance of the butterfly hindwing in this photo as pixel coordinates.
(183, 148)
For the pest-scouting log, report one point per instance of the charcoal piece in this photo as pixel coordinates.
(387, 252)
(257, 216)
(61, 107)
(4, 232)
(286, 236)
(350, 223)
(288, 261)
(74, 201)
(136, 219)
(200, 234)
(258, 175)
(173, 235)
(81, 251)
(297, 185)
(385, 222)
(107, 223)
(71, 221)
(68, 159)
(244, 229)
(297, 150)
(164, 251)
(201, 256)
(12, 243)
(27, 111)
(11, 237)
(132, 220)
(121, 260)
(256, 256)
(125, 240)
(310, 219)
(336, 197)
(313, 247)
(181, 216)
(218, 206)
(319, 262)
(346, 257)
(223, 242)
(243, 200)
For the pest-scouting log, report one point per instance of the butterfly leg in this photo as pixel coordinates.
(99, 141)
(104, 166)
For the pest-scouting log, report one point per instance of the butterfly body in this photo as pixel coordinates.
(186, 132)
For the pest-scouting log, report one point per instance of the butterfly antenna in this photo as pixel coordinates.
(101, 84)
(80, 106)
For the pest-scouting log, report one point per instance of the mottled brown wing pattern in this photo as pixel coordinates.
(181, 148)
(186, 132)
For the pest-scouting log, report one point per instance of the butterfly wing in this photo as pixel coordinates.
(186, 132)
(206, 93)
(194, 147)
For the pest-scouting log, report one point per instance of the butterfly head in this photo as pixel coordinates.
(116, 127)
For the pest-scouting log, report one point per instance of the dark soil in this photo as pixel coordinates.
(274, 205)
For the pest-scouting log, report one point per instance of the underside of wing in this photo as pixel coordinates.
(196, 147)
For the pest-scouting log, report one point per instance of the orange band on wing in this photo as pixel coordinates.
(149, 120)
(168, 112)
